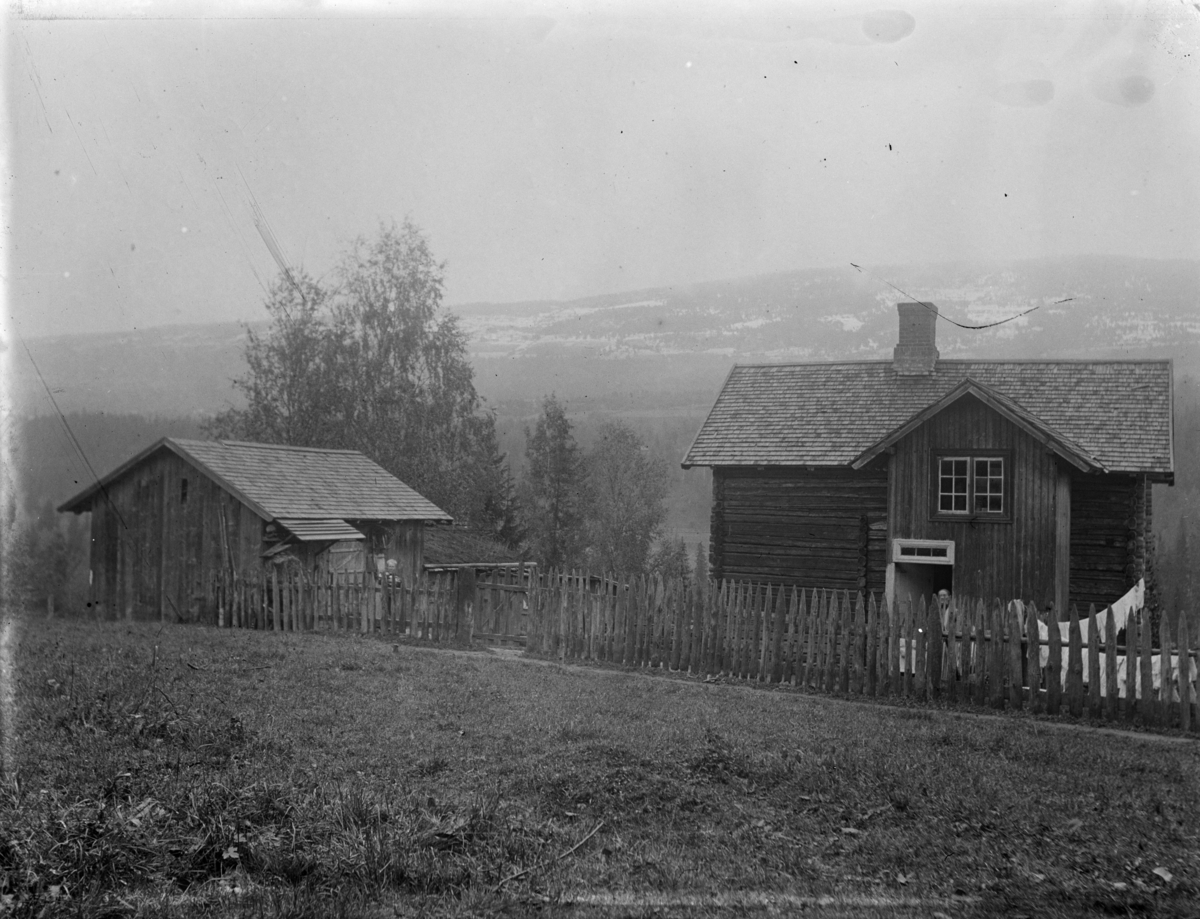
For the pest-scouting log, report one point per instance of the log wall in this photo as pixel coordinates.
(822, 527)
(1110, 521)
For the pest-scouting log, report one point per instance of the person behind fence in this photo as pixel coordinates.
(943, 602)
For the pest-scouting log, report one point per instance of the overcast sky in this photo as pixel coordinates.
(555, 150)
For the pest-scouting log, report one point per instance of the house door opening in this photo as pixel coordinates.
(920, 568)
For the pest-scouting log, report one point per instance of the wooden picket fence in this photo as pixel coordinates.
(443, 607)
(855, 646)
(988, 654)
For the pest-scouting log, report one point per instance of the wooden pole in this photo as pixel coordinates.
(1033, 658)
(1015, 683)
(1145, 642)
(1132, 704)
(1111, 690)
(1054, 669)
(1093, 669)
(1166, 682)
(1184, 676)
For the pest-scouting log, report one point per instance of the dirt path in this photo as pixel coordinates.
(788, 695)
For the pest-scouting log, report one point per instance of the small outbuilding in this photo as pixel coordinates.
(182, 513)
(458, 548)
(1011, 479)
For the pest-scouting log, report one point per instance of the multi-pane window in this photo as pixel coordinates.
(970, 485)
(989, 485)
(952, 484)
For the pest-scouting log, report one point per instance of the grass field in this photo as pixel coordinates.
(187, 771)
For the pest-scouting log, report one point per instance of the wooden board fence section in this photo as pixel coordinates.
(992, 654)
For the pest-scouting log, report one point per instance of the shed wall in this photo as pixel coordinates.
(153, 552)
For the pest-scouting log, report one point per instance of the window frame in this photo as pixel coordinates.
(970, 514)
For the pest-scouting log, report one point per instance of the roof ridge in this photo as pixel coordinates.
(261, 446)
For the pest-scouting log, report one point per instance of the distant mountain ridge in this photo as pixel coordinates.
(669, 348)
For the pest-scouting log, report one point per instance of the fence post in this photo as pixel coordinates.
(921, 638)
(1145, 642)
(1014, 658)
(1165, 681)
(1132, 670)
(1111, 689)
(1054, 668)
(1033, 657)
(934, 654)
(820, 636)
(1093, 664)
(1184, 676)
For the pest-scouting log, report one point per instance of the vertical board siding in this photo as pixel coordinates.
(1009, 558)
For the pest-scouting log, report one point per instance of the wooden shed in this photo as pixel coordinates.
(455, 548)
(1011, 479)
(171, 519)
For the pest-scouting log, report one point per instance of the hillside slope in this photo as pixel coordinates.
(668, 349)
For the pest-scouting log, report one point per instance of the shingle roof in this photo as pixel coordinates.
(320, 530)
(456, 545)
(828, 414)
(295, 482)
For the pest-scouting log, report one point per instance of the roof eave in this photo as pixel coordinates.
(101, 484)
(695, 440)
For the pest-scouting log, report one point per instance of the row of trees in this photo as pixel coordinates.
(369, 360)
(603, 509)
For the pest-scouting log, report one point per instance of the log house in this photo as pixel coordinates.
(1013, 479)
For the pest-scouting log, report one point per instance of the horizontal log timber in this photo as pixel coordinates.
(827, 560)
(799, 542)
(804, 575)
(774, 512)
(804, 493)
(825, 527)
(803, 503)
(803, 487)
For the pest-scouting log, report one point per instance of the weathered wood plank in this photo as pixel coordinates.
(1166, 683)
(1185, 676)
(1033, 659)
(1054, 669)
(1015, 660)
(1093, 668)
(979, 654)
(871, 662)
(1147, 701)
(845, 640)
(920, 636)
(998, 660)
(893, 624)
(1132, 703)
(831, 636)
(1074, 665)
(1112, 690)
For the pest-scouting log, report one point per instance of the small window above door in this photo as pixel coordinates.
(923, 551)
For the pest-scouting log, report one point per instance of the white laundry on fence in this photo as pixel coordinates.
(1124, 610)
(1129, 604)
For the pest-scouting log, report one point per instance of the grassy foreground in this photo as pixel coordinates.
(194, 772)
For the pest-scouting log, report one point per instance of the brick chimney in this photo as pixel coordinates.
(916, 354)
